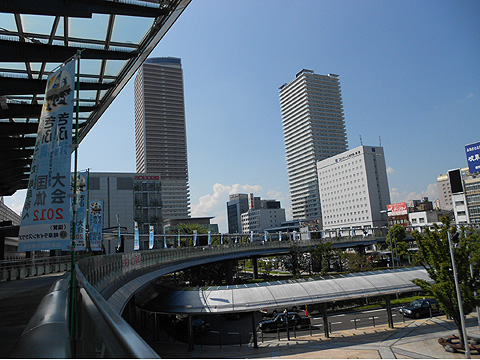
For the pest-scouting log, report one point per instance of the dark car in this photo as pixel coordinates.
(198, 325)
(280, 322)
(420, 308)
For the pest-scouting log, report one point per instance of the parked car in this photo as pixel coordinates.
(280, 322)
(271, 312)
(421, 307)
(199, 326)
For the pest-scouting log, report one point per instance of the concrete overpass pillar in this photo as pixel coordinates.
(229, 272)
(255, 267)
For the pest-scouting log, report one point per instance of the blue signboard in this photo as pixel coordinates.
(45, 221)
(473, 157)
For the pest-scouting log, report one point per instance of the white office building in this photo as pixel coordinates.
(313, 129)
(160, 131)
(258, 220)
(354, 189)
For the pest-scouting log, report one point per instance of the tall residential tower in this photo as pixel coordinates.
(160, 131)
(313, 130)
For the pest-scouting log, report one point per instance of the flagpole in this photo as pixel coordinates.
(74, 220)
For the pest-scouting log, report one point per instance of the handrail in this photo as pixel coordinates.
(46, 334)
(132, 345)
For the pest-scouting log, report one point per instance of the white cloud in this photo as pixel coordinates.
(390, 170)
(16, 201)
(402, 196)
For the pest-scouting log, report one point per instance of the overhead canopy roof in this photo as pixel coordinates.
(37, 36)
(280, 294)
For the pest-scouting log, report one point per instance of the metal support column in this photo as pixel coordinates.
(190, 333)
(254, 331)
(389, 311)
(325, 320)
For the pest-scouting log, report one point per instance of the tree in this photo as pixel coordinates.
(395, 239)
(321, 257)
(292, 260)
(434, 255)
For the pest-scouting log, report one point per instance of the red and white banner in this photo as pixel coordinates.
(397, 209)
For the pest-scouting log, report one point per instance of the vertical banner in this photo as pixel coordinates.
(151, 237)
(165, 241)
(96, 225)
(266, 236)
(136, 239)
(251, 236)
(119, 242)
(178, 239)
(294, 235)
(209, 238)
(221, 239)
(80, 236)
(45, 221)
(194, 237)
(309, 236)
(279, 236)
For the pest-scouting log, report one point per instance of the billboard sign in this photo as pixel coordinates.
(397, 209)
(96, 225)
(473, 157)
(45, 221)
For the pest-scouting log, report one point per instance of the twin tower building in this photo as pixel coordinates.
(314, 130)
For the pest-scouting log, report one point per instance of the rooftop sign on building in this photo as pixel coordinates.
(397, 209)
(473, 157)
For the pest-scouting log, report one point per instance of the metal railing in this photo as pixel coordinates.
(22, 268)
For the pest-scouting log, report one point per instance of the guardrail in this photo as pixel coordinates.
(22, 268)
(101, 271)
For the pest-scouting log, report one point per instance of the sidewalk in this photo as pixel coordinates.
(414, 339)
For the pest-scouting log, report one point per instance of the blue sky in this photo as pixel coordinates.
(409, 71)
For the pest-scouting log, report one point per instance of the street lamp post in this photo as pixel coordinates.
(459, 299)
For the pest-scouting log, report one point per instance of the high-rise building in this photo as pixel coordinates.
(354, 189)
(236, 206)
(313, 130)
(160, 131)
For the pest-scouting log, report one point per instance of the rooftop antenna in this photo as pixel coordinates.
(361, 142)
(380, 141)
